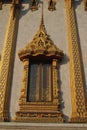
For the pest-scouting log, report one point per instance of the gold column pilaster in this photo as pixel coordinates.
(7, 62)
(0, 61)
(76, 74)
(55, 82)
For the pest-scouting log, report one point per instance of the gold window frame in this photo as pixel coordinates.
(40, 111)
(54, 95)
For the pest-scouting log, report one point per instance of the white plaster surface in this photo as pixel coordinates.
(55, 23)
(4, 16)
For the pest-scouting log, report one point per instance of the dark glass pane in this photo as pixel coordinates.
(7, 1)
(39, 86)
(34, 3)
(32, 82)
(46, 81)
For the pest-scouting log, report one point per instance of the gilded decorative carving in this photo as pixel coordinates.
(39, 111)
(69, 3)
(1, 4)
(34, 5)
(0, 59)
(7, 64)
(79, 113)
(85, 5)
(51, 5)
(41, 45)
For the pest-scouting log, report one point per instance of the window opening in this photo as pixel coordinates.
(39, 86)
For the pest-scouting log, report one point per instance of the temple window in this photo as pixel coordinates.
(39, 86)
(40, 99)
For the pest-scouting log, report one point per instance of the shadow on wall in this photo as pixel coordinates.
(77, 3)
(25, 11)
(64, 61)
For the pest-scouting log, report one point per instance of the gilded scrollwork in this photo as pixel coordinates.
(41, 44)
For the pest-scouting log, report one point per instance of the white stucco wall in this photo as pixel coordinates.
(81, 16)
(4, 16)
(55, 24)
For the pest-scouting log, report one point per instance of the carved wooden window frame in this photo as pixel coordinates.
(48, 111)
(54, 83)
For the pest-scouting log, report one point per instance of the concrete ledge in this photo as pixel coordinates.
(41, 126)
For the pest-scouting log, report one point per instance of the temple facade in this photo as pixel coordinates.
(43, 61)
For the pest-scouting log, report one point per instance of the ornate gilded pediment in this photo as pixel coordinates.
(41, 45)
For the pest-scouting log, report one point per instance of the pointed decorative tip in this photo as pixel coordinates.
(42, 20)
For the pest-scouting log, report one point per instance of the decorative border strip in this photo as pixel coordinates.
(76, 74)
(7, 62)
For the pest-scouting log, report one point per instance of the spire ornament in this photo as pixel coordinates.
(42, 19)
(41, 44)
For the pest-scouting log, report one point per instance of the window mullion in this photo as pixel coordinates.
(40, 83)
(37, 83)
(49, 83)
